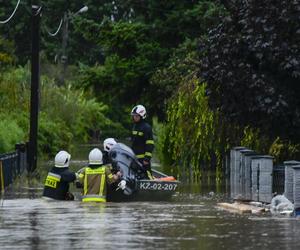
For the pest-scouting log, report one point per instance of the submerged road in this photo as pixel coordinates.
(190, 221)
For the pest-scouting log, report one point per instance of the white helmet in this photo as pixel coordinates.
(62, 159)
(95, 157)
(109, 143)
(139, 110)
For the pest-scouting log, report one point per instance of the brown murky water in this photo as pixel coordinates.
(189, 221)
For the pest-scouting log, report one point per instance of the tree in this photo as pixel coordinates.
(251, 62)
(139, 39)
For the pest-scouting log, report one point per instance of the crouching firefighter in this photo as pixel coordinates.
(95, 178)
(59, 177)
(108, 144)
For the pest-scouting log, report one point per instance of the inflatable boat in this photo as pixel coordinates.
(137, 187)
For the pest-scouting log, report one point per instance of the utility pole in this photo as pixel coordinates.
(35, 88)
(65, 36)
(68, 15)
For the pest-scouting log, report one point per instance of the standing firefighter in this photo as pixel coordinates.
(142, 139)
(59, 177)
(95, 177)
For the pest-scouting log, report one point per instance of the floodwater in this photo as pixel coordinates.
(190, 221)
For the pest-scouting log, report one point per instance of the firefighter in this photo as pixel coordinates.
(59, 177)
(107, 146)
(142, 139)
(95, 178)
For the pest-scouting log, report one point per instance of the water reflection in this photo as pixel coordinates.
(191, 221)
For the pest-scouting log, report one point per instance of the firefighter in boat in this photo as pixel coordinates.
(142, 139)
(108, 143)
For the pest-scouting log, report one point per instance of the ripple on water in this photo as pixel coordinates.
(187, 222)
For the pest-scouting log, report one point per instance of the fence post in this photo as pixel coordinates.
(17, 148)
(278, 179)
(289, 179)
(246, 157)
(262, 181)
(296, 188)
(21, 152)
(235, 162)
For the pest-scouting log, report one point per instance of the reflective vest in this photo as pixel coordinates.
(57, 183)
(94, 183)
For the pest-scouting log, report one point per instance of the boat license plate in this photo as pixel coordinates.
(152, 185)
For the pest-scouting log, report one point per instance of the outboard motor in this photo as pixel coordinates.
(123, 159)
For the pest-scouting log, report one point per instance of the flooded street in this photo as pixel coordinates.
(190, 221)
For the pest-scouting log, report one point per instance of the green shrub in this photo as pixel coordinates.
(14, 90)
(284, 150)
(53, 135)
(251, 139)
(66, 114)
(7, 57)
(10, 133)
(80, 111)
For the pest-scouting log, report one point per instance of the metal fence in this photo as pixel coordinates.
(12, 165)
(278, 179)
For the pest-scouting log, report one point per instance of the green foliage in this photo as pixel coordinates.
(165, 81)
(10, 133)
(121, 37)
(194, 138)
(7, 57)
(78, 115)
(154, 53)
(161, 138)
(250, 62)
(135, 45)
(14, 90)
(284, 150)
(130, 58)
(251, 139)
(66, 114)
(53, 135)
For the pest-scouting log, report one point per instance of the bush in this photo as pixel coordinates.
(10, 134)
(53, 135)
(79, 111)
(14, 90)
(284, 150)
(66, 114)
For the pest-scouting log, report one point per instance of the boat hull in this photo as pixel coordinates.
(146, 190)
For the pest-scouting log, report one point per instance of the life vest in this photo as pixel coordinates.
(94, 184)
